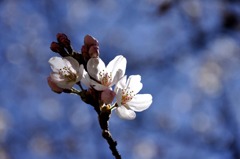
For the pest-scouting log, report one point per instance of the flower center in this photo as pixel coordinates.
(68, 74)
(127, 96)
(105, 78)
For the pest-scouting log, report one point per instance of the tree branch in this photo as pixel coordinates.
(112, 144)
(103, 121)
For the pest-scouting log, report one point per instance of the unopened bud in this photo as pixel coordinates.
(94, 51)
(63, 40)
(84, 49)
(56, 47)
(89, 40)
(107, 96)
(90, 49)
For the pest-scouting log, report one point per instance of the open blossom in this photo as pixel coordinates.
(104, 77)
(128, 100)
(66, 71)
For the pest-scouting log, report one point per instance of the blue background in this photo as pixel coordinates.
(186, 51)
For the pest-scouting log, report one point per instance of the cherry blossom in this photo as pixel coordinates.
(66, 71)
(103, 77)
(128, 101)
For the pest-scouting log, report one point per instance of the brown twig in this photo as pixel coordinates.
(103, 121)
(112, 144)
(104, 111)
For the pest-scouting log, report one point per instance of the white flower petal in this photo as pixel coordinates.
(85, 79)
(117, 67)
(66, 85)
(61, 82)
(140, 102)
(56, 77)
(94, 66)
(98, 86)
(125, 113)
(120, 84)
(80, 71)
(56, 63)
(119, 74)
(134, 83)
(71, 62)
(118, 96)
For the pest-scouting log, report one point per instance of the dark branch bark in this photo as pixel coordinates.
(112, 144)
(103, 121)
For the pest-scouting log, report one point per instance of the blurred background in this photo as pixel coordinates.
(187, 52)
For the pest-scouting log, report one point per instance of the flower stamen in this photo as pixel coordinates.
(68, 74)
(105, 78)
(127, 96)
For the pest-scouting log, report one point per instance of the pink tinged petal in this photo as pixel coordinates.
(56, 63)
(107, 96)
(134, 83)
(117, 67)
(53, 86)
(140, 102)
(125, 113)
(94, 67)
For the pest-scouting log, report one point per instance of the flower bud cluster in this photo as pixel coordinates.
(63, 46)
(87, 68)
(90, 49)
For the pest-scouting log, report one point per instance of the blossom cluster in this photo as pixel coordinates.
(105, 84)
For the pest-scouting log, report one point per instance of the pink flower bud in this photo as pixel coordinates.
(63, 39)
(55, 47)
(94, 51)
(84, 49)
(90, 49)
(53, 86)
(89, 40)
(107, 96)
